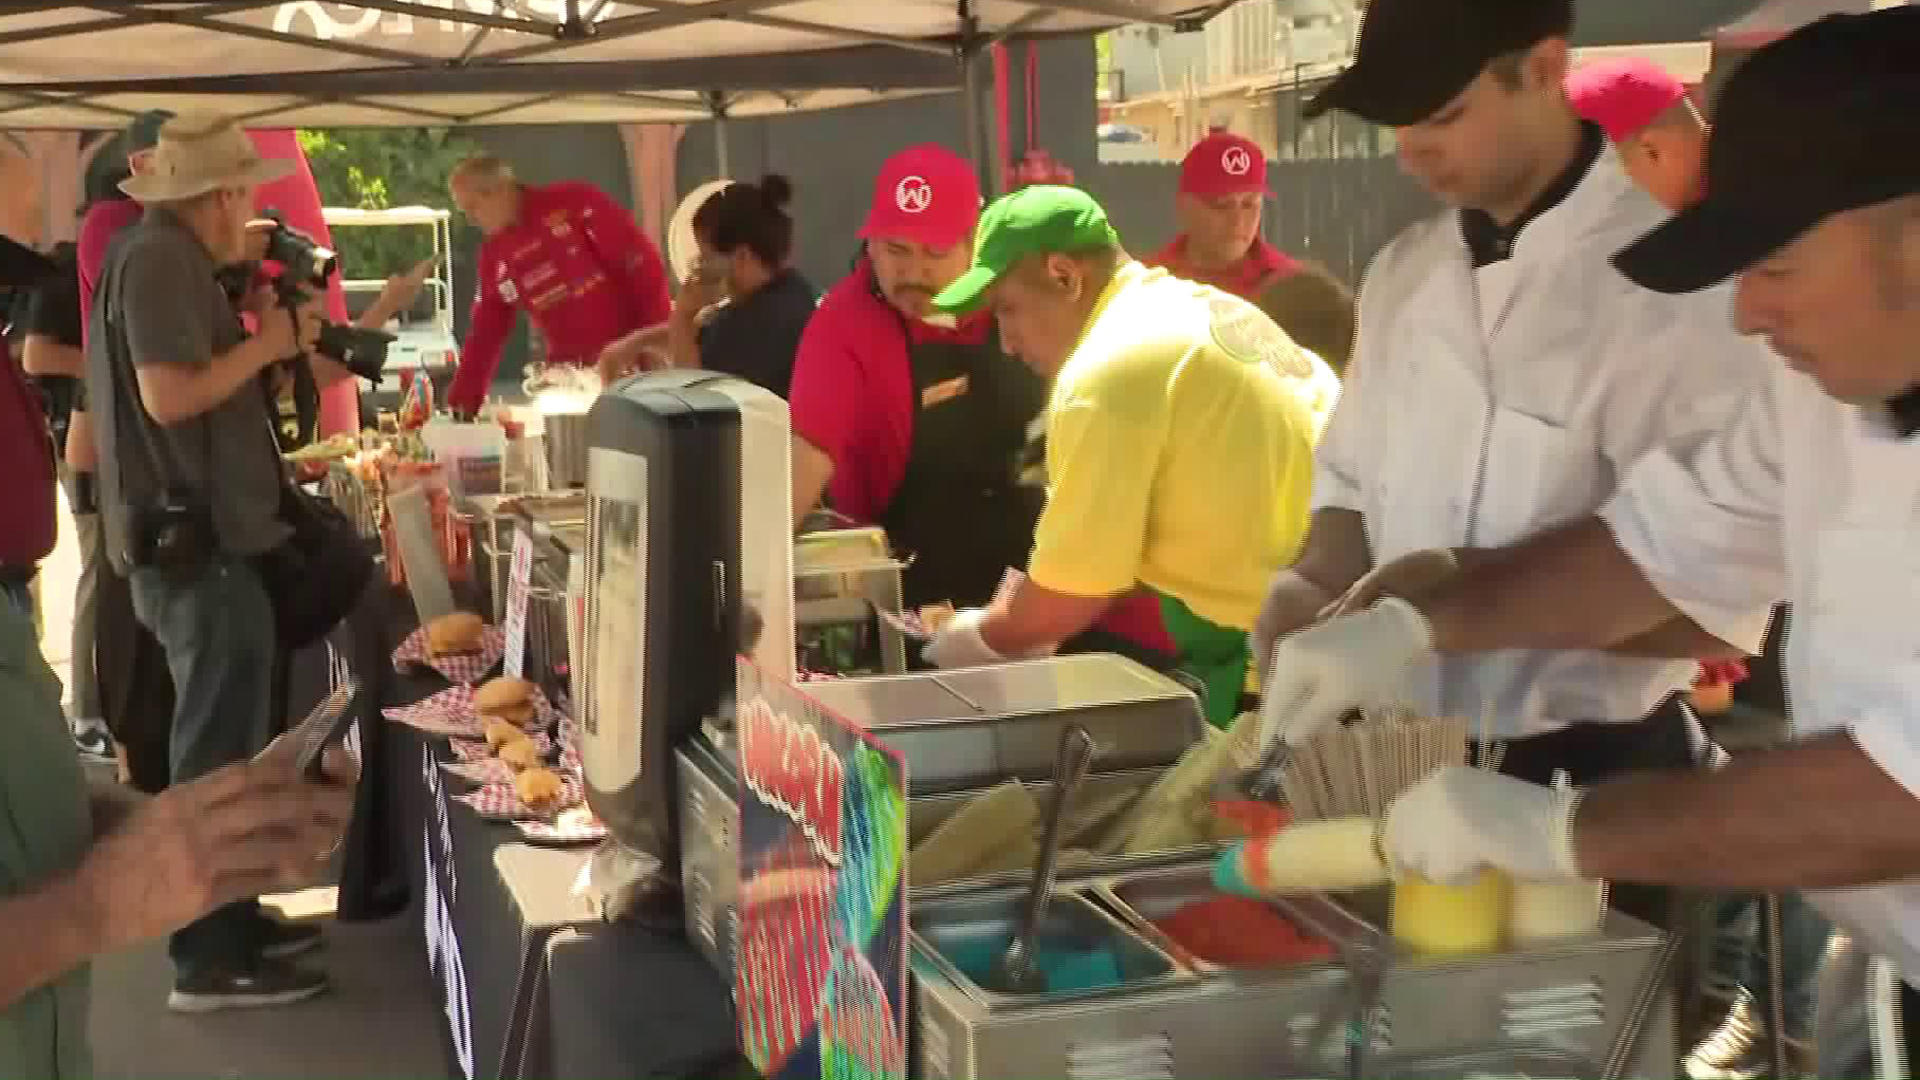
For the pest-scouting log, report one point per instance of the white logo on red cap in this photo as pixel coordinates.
(913, 195)
(1236, 161)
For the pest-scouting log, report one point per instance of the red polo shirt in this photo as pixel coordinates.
(1263, 264)
(852, 393)
(26, 446)
(579, 267)
(26, 453)
(103, 222)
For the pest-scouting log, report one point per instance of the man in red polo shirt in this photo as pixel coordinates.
(567, 255)
(909, 419)
(1223, 184)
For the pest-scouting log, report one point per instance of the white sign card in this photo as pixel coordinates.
(519, 578)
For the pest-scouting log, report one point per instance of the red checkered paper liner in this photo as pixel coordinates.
(460, 668)
(498, 802)
(467, 750)
(450, 713)
(569, 744)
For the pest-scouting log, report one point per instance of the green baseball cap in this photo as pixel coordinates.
(1038, 220)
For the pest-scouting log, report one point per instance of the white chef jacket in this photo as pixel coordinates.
(1818, 502)
(1483, 407)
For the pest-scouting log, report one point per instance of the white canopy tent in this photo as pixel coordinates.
(445, 62)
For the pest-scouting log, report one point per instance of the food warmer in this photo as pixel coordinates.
(961, 732)
(496, 519)
(1554, 1010)
(843, 579)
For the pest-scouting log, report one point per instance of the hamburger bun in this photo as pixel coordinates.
(504, 697)
(520, 754)
(500, 732)
(452, 635)
(519, 715)
(539, 788)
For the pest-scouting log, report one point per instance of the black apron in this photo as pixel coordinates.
(960, 510)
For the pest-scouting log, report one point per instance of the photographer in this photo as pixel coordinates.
(195, 507)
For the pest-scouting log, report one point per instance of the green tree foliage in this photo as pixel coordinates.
(377, 168)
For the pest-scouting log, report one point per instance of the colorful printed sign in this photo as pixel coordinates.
(820, 975)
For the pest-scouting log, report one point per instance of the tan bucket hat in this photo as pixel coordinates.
(198, 154)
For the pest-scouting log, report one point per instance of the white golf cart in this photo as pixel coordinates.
(423, 332)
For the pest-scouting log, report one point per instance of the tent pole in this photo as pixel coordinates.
(967, 52)
(970, 112)
(717, 103)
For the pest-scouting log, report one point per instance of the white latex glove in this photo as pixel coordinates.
(1355, 661)
(959, 644)
(1460, 821)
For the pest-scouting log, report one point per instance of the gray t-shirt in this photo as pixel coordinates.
(160, 299)
(46, 827)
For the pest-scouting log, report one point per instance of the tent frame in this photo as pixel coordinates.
(884, 62)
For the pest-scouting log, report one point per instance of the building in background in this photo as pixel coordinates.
(1161, 92)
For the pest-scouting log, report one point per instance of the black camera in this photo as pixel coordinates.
(308, 265)
(301, 254)
(175, 533)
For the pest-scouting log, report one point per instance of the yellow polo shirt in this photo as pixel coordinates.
(1180, 439)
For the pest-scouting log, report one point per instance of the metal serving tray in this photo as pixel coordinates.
(1184, 1026)
(1140, 898)
(1548, 1011)
(976, 727)
(976, 922)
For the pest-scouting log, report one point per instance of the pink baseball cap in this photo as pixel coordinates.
(1224, 164)
(925, 194)
(1623, 95)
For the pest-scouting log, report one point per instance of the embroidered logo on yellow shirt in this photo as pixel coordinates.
(1245, 333)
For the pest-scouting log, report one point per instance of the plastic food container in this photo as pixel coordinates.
(1435, 919)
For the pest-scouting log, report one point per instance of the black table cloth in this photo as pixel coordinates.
(531, 983)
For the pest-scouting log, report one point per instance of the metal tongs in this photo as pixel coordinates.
(1017, 972)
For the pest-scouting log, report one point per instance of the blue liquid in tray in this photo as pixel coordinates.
(1069, 966)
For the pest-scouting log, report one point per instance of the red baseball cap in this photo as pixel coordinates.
(1224, 164)
(925, 194)
(1623, 95)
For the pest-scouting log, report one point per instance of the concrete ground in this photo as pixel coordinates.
(380, 1020)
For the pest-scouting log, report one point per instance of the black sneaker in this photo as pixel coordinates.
(93, 741)
(267, 983)
(283, 941)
